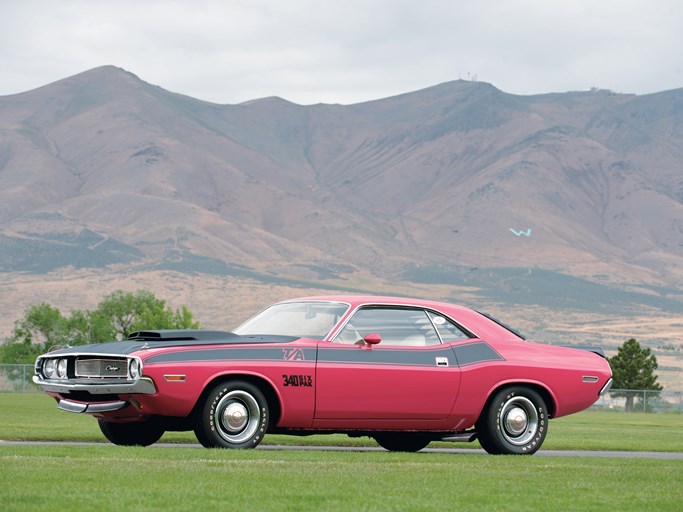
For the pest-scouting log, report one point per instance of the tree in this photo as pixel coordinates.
(42, 324)
(117, 315)
(127, 312)
(88, 327)
(42, 327)
(633, 368)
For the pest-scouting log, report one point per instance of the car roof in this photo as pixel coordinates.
(359, 300)
(478, 323)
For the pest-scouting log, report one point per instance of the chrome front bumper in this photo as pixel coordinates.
(79, 407)
(143, 385)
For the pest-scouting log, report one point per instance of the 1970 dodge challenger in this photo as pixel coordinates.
(403, 371)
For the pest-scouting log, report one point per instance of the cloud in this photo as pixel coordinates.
(346, 51)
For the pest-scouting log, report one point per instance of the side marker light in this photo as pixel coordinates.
(174, 378)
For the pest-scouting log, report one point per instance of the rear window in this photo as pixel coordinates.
(503, 325)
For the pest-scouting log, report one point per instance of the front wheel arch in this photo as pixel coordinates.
(264, 385)
(235, 414)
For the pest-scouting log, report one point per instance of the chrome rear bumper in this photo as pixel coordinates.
(605, 388)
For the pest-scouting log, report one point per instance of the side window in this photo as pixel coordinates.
(397, 326)
(447, 329)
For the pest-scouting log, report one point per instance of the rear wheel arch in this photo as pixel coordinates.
(547, 396)
(514, 419)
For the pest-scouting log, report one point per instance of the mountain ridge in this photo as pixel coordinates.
(454, 174)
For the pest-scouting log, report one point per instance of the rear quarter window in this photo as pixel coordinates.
(447, 330)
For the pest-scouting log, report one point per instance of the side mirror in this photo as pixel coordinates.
(372, 339)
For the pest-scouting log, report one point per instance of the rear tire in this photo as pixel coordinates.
(401, 442)
(234, 415)
(514, 422)
(142, 433)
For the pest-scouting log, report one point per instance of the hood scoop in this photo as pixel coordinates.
(182, 335)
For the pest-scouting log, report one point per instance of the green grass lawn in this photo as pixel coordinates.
(34, 416)
(107, 477)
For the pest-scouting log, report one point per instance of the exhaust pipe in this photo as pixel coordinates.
(464, 437)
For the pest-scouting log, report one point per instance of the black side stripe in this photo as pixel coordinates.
(477, 352)
(461, 355)
(465, 355)
(298, 354)
(383, 356)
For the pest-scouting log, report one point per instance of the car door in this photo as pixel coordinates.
(409, 375)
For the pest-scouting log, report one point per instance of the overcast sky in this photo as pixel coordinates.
(312, 51)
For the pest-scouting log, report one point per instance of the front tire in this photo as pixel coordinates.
(515, 422)
(401, 442)
(234, 415)
(143, 433)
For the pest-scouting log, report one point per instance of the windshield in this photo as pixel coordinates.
(301, 319)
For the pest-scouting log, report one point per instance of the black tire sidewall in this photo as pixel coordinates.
(143, 433)
(401, 442)
(492, 438)
(205, 429)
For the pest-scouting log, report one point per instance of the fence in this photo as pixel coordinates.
(16, 378)
(640, 400)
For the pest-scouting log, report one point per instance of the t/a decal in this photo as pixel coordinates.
(293, 354)
(297, 381)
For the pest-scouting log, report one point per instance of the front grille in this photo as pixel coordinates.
(101, 368)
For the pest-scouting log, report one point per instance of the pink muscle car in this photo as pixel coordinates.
(403, 371)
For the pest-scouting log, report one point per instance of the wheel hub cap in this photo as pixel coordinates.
(519, 420)
(235, 416)
(516, 421)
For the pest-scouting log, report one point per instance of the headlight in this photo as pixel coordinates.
(49, 368)
(61, 369)
(134, 369)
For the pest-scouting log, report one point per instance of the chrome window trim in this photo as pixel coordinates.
(305, 301)
(335, 332)
(431, 321)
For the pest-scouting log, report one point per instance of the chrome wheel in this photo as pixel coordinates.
(236, 416)
(518, 420)
(514, 421)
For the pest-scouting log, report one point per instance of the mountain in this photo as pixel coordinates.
(458, 183)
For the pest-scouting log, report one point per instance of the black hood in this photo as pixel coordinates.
(142, 340)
